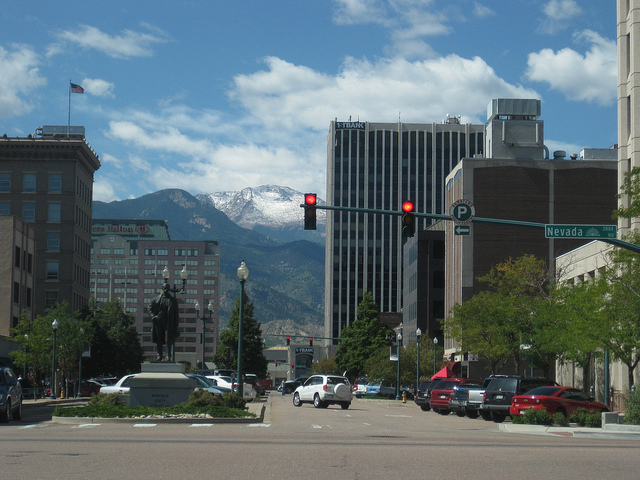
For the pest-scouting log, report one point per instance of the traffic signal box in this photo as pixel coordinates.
(311, 342)
(288, 341)
(310, 211)
(408, 219)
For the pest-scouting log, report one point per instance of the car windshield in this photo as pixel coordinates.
(424, 386)
(446, 384)
(503, 385)
(547, 391)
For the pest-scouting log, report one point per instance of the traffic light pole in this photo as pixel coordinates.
(439, 216)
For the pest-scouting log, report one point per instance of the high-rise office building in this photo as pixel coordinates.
(378, 166)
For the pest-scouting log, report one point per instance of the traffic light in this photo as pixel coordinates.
(311, 342)
(310, 211)
(293, 367)
(408, 219)
(288, 341)
(276, 363)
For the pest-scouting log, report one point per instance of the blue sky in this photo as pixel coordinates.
(211, 95)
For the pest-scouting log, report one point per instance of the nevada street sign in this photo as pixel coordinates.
(580, 231)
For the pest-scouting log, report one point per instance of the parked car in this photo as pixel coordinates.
(359, 387)
(441, 394)
(89, 388)
(207, 384)
(421, 397)
(563, 400)
(121, 386)
(502, 389)
(468, 398)
(253, 380)
(459, 397)
(324, 390)
(10, 395)
(291, 385)
(381, 388)
(248, 392)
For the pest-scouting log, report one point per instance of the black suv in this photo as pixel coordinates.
(421, 397)
(502, 388)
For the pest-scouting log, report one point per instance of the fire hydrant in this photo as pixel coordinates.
(404, 397)
(62, 392)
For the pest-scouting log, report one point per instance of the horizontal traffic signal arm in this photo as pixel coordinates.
(612, 241)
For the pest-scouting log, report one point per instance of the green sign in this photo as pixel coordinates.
(462, 229)
(581, 231)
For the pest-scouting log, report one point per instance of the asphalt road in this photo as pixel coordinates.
(372, 440)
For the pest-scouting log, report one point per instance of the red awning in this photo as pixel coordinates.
(451, 370)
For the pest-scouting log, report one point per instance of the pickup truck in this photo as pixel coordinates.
(466, 399)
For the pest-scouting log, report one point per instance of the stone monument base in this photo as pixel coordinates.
(161, 384)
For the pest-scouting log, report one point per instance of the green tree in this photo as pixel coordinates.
(326, 366)
(362, 338)
(253, 359)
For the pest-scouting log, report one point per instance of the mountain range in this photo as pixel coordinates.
(262, 226)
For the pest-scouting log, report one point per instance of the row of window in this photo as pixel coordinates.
(29, 211)
(29, 182)
(23, 259)
(24, 302)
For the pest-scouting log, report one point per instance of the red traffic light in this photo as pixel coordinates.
(407, 206)
(311, 342)
(288, 340)
(310, 199)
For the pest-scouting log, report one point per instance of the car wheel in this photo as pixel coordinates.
(4, 414)
(317, 402)
(296, 400)
(17, 415)
(444, 411)
(486, 416)
(461, 413)
(472, 413)
(425, 408)
(345, 405)
(498, 417)
(562, 412)
(92, 393)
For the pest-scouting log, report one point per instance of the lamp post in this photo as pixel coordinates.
(183, 275)
(399, 337)
(204, 321)
(418, 333)
(79, 392)
(243, 273)
(54, 326)
(435, 349)
(24, 365)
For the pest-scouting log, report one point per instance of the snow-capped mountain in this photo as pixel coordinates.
(270, 209)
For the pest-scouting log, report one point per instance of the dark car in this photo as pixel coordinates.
(502, 389)
(290, 385)
(421, 397)
(89, 388)
(10, 395)
(441, 394)
(459, 397)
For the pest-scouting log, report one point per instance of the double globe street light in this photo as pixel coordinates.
(54, 327)
(243, 273)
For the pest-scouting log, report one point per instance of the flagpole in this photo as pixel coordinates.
(69, 117)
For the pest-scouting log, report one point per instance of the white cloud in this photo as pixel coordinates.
(480, 10)
(557, 15)
(348, 12)
(126, 45)
(98, 87)
(590, 77)
(19, 77)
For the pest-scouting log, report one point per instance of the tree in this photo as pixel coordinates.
(362, 338)
(253, 359)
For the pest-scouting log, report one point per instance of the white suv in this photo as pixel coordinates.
(324, 390)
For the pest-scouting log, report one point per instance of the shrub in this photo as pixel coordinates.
(560, 420)
(585, 418)
(632, 408)
(233, 400)
(534, 417)
(202, 398)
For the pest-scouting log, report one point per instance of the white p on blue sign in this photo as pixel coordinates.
(462, 211)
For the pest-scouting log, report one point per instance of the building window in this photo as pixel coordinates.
(50, 299)
(105, 251)
(53, 212)
(27, 300)
(118, 251)
(5, 209)
(55, 183)
(163, 251)
(53, 241)
(28, 212)
(149, 251)
(53, 270)
(16, 292)
(16, 261)
(29, 182)
(5, 182)
(29, 263)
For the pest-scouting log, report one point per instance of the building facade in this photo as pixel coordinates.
(128, 261)
(378, 166)
(48, 184)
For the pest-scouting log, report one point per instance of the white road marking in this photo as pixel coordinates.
(201, 425)
(259, 425)
(143, 425)
(87, 425)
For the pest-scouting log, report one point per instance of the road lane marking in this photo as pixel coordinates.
(87, 425)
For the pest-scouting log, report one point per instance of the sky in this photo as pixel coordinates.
(213, 95)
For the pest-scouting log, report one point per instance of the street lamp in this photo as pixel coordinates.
(204, 321)
(54, 326)
(243, 273)
(399, 337)
(79, 392)
(183, 275)
(418, 333)
(435, 348)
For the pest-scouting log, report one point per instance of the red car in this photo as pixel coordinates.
(564, 400)
(441, 393)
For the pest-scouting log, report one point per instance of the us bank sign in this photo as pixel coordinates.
(350, 125)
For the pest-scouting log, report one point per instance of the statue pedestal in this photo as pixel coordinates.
(161, 384)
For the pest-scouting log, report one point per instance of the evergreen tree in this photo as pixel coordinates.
(362, 338)
(253, 359)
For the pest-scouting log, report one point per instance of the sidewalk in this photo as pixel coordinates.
(608, 431)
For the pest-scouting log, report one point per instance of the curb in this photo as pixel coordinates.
(575, 432)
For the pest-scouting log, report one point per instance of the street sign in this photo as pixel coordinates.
(580, 231)
(462, 211)
(462, 229)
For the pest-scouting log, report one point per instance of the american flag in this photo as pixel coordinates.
(76, 88)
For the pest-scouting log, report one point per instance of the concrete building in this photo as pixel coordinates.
(128, 260)
(377, 166)
(46, 181)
